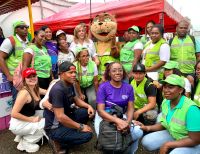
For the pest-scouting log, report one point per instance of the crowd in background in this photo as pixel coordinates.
(155, 81)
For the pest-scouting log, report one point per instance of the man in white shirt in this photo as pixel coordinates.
(11, 52)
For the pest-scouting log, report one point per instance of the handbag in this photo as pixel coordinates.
(110, 138)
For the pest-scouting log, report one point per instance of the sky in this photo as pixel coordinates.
(189, 8)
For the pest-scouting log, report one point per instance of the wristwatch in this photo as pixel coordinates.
(81, 127)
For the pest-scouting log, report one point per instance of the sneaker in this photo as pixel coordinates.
(17, 138)
(28, 147)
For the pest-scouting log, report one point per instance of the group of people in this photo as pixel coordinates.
(154, 81)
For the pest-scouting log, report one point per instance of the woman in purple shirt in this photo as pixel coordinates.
(114, 91)
(51, 49)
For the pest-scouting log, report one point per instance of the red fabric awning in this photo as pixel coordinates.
(127, 12)
(13, 5)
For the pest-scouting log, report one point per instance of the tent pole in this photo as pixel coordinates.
(30, 18)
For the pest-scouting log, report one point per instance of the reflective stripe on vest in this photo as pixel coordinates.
(177, 124)
(127, 55)
(42, 61)
(85, 80)
(14, 59)
(139, 93)
(184, 54)
(152, 56)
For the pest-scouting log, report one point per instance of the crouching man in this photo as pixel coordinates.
(66, 125)
(145, 96)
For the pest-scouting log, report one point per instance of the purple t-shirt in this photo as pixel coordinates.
(107, 94)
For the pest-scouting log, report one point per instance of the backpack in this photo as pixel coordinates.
(192, 38)
(110, 139)
(17, 76)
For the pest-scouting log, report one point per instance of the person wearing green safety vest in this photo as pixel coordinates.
(172, 67)
(36, 55)
(178, 129)
(197, 84)
(130, 53)
(145, 96)
(156, 53)
(185, 49)
(87, 76)
(11, 52)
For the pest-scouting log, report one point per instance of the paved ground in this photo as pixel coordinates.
(8, 146)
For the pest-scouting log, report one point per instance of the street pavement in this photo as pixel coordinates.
(8, 146)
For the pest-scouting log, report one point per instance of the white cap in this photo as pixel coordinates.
(60, 32)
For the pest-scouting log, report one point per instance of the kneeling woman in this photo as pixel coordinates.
(87, 76)
(120, 93)
(25, 123)
(179, 129)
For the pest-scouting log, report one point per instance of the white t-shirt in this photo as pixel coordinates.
(89, 45)
(187, 85)
(7, 47)
(164, 52)
(65, 57)
(30, 50)
(84, 70)
(138, 45)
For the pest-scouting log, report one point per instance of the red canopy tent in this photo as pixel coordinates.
(127, 12)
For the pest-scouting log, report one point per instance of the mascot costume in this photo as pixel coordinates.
(104, 28)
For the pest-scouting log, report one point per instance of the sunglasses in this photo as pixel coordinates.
(23, 26)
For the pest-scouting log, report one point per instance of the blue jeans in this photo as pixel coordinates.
(14, 92)
(155, 140)
(68, 136)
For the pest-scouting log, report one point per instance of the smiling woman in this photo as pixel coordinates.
(37, 54)
(178, 129)
(26, 123)
(116, 92)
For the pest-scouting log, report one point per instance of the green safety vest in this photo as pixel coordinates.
(103, 60)
(197, 94)
(177, 124)
(152, 56)
(139, 94)
(14, 59)
(42, 61)
(127, 55)
(184, 54)
(86, 79)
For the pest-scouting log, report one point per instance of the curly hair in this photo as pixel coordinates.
(108, 68)
(76, 30)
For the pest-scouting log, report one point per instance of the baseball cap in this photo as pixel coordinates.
(139, 68)
(66, 66)
(175, 80)
(27, 72)
(80, 48)
(18, 23)
(60, 32)
(171, 65)
(135, 28)
(108, 62)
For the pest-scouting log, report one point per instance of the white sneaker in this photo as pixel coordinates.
(28, 147)
(17, 138)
